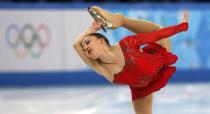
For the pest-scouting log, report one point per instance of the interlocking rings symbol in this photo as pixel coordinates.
(28, 40)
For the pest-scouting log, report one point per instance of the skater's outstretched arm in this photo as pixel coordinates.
(145, 38)
(161, 34)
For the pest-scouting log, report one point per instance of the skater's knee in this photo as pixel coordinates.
(120, 16)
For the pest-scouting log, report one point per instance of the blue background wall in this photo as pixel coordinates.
(192, 47)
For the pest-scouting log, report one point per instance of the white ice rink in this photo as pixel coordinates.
(173, 99)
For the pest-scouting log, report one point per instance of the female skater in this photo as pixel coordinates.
(145, 70)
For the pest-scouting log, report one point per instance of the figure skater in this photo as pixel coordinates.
(145, 70)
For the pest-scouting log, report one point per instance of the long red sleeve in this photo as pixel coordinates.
(145, 38)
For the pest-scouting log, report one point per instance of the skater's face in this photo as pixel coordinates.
(93, 46)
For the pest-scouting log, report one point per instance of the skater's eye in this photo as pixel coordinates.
(83, 49)
(88, 42)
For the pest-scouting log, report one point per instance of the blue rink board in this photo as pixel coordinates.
(86, 78)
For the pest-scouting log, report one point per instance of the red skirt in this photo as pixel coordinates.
(161, 78)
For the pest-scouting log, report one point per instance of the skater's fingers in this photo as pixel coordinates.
(185, 15)
(94, 22)
(98, 23)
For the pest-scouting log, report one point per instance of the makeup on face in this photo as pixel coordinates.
(86, 43)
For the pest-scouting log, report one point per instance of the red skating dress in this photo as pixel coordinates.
(149, 70)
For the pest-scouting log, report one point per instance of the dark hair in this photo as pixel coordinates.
(99, 35)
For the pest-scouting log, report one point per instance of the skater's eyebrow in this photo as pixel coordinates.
(84, 42)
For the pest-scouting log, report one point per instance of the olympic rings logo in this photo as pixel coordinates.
(28, 39)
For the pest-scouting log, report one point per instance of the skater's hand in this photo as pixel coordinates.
(185, 17)
(95, 26)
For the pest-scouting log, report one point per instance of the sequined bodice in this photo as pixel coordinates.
(138, 64)
(141, 67)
